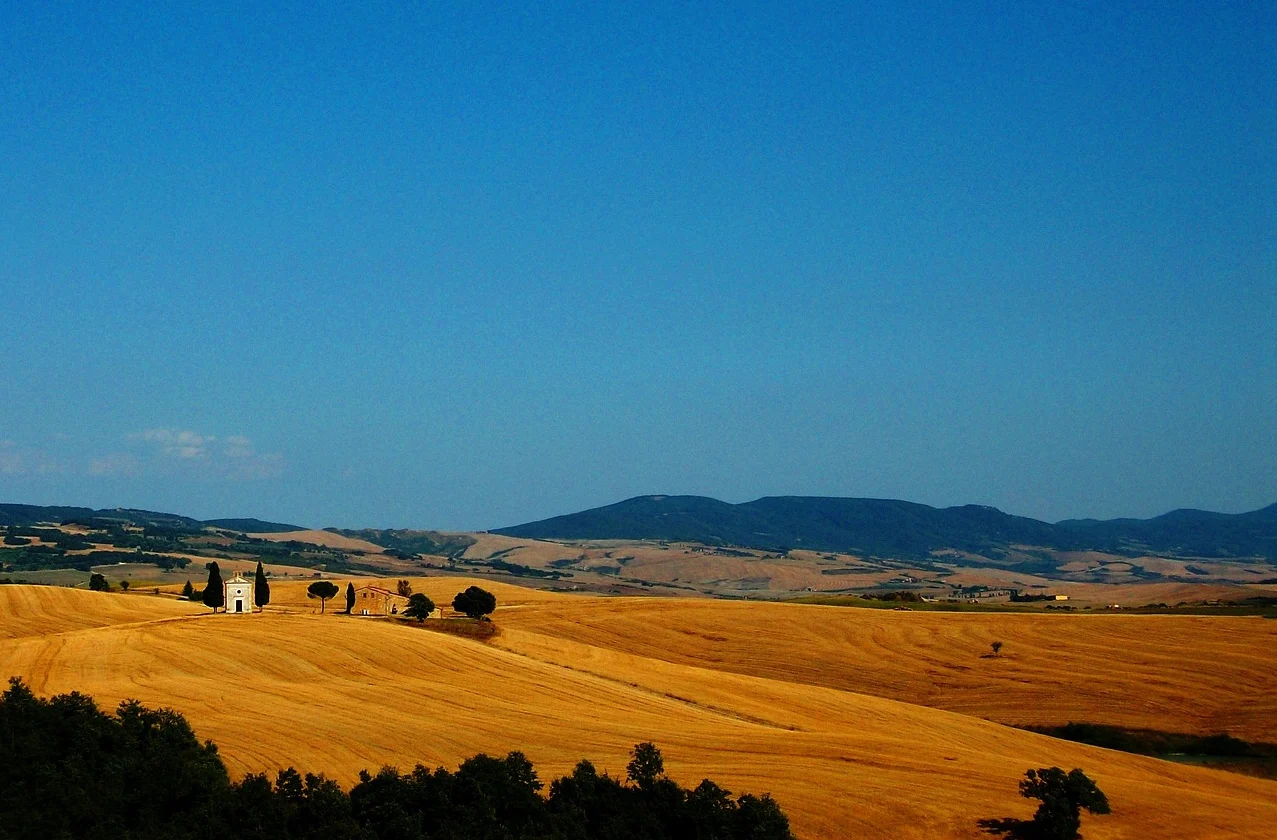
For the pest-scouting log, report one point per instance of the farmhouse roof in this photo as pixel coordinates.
(380, 590)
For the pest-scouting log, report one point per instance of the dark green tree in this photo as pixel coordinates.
(404, 588)
(419, 607)
(98, 583)
(323, 590)
(350, 598)
(646, 765)
(188, 591)
(711, 810)
(474, 602)
(261, 589)
(124, 584)
(214, 592)
(1063, 795)
(760, 818)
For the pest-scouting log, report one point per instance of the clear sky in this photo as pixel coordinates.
(466, 265)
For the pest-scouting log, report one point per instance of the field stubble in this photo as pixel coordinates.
(730, 691)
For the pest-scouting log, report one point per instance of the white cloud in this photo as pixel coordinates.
(233, 457)
(238, 446)
(179, 443)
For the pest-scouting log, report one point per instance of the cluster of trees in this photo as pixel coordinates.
(67, 769)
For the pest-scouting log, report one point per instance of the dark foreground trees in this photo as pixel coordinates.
(1063, 795)
(475, 602)
(69, 770)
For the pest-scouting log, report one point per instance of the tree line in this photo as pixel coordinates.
(68, 769)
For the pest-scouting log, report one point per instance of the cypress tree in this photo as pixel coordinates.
(350, 597)
(188, 591)
(214, 594)
(261, 589)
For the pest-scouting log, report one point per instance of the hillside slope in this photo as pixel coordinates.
(336, 694)
(892, 528)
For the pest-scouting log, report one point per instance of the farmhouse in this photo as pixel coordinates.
(377, 600)
(239, 595)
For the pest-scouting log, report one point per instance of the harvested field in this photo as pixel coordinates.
(572, 678)
(1182, 673)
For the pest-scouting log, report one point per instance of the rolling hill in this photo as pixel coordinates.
(725, 689)
(891, 528)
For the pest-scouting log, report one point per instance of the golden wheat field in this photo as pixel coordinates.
(844, 715)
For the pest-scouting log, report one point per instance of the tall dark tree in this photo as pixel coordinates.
(475, 602)
(323, 590)
(1063, 795)
(350, 598)
(261, 589)
(214, 592)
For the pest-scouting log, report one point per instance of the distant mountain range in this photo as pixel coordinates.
(891, 528)
(26, 515)
(885, 528)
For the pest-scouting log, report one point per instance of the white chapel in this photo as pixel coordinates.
(239, 595)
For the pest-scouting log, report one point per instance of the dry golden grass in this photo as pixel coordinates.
(47, 610)
(1183, 673)
(337, 694)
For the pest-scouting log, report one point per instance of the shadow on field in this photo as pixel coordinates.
(1008, 827)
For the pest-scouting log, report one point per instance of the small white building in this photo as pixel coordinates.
(239, 595)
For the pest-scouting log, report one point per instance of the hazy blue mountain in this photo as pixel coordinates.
(24, 515)
(893, 528)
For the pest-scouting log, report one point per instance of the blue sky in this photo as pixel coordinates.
(466, 267)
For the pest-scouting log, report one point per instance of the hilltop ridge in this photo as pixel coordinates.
(894, 528)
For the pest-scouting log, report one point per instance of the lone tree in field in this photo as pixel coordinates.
(261, 589)
(350, 598)
(188, 591)
(1063, 795)
(214, 595)
(646, 765)
(98, 583)
(997, 648)
(124, 584)
(404, 588)
(419, 607)
(323, 590)
(475, 602)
